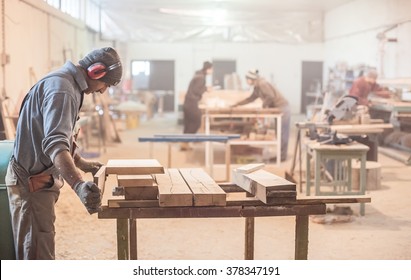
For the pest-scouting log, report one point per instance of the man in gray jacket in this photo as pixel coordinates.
(44, 150)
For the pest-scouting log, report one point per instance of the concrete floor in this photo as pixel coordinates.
(383, 233)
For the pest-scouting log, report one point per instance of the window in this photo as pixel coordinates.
(84, 10)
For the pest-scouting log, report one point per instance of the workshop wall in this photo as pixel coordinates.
(372, 32)
(38, 39)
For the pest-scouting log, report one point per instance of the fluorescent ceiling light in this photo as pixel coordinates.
(216, 16)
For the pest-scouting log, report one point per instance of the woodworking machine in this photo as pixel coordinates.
(345, 109)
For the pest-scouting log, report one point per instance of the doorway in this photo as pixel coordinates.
(311, 84)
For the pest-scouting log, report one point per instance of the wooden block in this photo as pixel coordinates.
(206, 192)
(335, 199)
(100, 178)
(263, 184)
(141, 193)
(281, 193)
(173, 190)
(271, 181)
(135, 180)
(121, 203)
(373, 174)
(250, 168)
(134, 167)
(280, 200)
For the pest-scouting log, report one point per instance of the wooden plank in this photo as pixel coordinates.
(100, 178)
(271, 181)
(249, 238)
(141, 192)
(173, 190)
(262, 183)
(233, 200)
(281, 194)
(245, 169)
(280, 200)
(122, 239)
(211, 211)
(135, 180)
(206, 192)
(335, 199)
(133, 238)
(134, 167)
(121, 203)
(301, 237)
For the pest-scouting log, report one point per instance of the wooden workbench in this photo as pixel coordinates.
(340, 157)
(274, 114)
(189, 138)
(241, 204)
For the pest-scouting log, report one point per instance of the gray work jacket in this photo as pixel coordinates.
(47, 118)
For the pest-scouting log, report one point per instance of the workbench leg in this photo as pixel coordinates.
(349, 175)
(249, 238)
(169, 155)
(133, 238)
(279, 131)
(317, 173)
(227, 161)
(300, 151)
(363, 181)
(210, 162)
(308, 174)
(301, 237)
(207, 143)
(122, 239)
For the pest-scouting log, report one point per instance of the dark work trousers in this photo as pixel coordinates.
(192, 117)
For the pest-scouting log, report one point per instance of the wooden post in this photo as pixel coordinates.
(249, 238)
(133, 238)
(301, 237)
(122, 239)
(169, 155)
(227, 161)
(363, 181)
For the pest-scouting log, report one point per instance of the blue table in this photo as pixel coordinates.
(178, 138)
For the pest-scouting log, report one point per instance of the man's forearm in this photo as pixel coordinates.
(383, 93)
(65, 165)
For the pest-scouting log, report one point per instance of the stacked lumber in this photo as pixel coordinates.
(135, 177)
(267, 187)
(147, 183)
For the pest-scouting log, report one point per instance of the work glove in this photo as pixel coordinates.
(89, 194)
(89, 166)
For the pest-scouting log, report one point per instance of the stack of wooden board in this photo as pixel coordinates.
(266, 186)
(135, 176)
(148, 182)
(145, 183)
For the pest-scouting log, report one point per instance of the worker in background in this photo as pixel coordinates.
(365, 85)
(196, 89)
(271, 98)
(44, 150)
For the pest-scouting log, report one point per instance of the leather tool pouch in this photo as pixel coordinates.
(40, 181)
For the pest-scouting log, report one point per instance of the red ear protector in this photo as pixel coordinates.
(98, 70)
